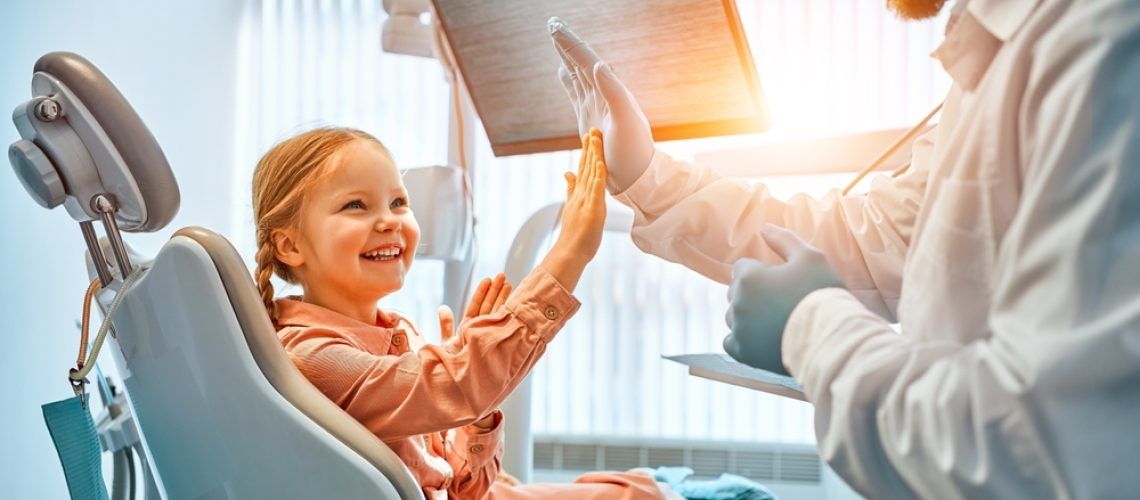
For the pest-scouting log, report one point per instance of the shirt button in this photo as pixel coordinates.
(398, 340)
(551, 313)
(475, 448)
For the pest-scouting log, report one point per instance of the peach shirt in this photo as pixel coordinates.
(421, 399)
(421, 402)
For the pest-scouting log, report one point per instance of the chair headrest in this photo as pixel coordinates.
(80, 139)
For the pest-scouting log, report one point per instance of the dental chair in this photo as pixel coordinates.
(220, 410)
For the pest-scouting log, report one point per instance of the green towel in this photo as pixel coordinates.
(77, 444)
(726, 487)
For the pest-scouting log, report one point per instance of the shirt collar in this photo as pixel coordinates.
(977, 29)
(291, 311)
(1002, 18)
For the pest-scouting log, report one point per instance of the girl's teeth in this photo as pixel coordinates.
(386, 254)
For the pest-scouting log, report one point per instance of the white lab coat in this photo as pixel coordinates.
(1009, 254)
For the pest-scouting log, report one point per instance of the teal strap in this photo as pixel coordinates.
(77, 443)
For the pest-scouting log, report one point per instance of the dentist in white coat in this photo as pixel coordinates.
(1009, 253)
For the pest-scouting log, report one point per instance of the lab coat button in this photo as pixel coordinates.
(475, 448)
(551, 313)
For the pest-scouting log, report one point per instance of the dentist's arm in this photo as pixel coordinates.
(689, 214)
(1042, 406)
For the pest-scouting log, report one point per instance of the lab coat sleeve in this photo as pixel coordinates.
(1046, 405)
(689, 214)
(438, 388)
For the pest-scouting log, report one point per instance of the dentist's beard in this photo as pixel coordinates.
(916, 9)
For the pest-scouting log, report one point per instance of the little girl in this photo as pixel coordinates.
(332, 216)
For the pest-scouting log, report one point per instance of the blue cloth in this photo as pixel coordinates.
(726, 487)
(77, 443)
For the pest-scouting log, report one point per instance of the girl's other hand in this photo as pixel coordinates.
(489, 295)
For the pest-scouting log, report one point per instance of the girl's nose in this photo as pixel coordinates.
(387, 223)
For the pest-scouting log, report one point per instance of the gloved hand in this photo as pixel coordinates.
(601, 101)
(761, 297)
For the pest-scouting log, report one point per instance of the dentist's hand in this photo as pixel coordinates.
(761, 297)
(601, 101)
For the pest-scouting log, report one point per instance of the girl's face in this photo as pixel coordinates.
(357, 235)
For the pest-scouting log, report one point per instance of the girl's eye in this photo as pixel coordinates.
(353, 204)
(399, 202)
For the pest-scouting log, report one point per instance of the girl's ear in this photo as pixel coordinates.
(285, 247)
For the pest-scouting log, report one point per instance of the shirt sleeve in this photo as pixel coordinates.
(474, 454)
(1041, 407)
(437, 388)
(689, 214)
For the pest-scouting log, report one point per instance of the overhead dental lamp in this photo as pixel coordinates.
(686, 61)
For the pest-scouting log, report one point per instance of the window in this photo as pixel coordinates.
(827, 67)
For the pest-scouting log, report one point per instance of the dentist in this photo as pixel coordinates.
(1009, 253)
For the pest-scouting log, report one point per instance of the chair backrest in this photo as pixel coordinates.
(221, 408)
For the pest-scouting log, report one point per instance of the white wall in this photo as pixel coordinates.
(174, 61)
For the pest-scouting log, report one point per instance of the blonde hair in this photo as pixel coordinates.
(282, 177)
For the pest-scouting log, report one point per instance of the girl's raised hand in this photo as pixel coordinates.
(584, 214)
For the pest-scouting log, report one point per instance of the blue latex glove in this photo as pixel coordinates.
(761, 297)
